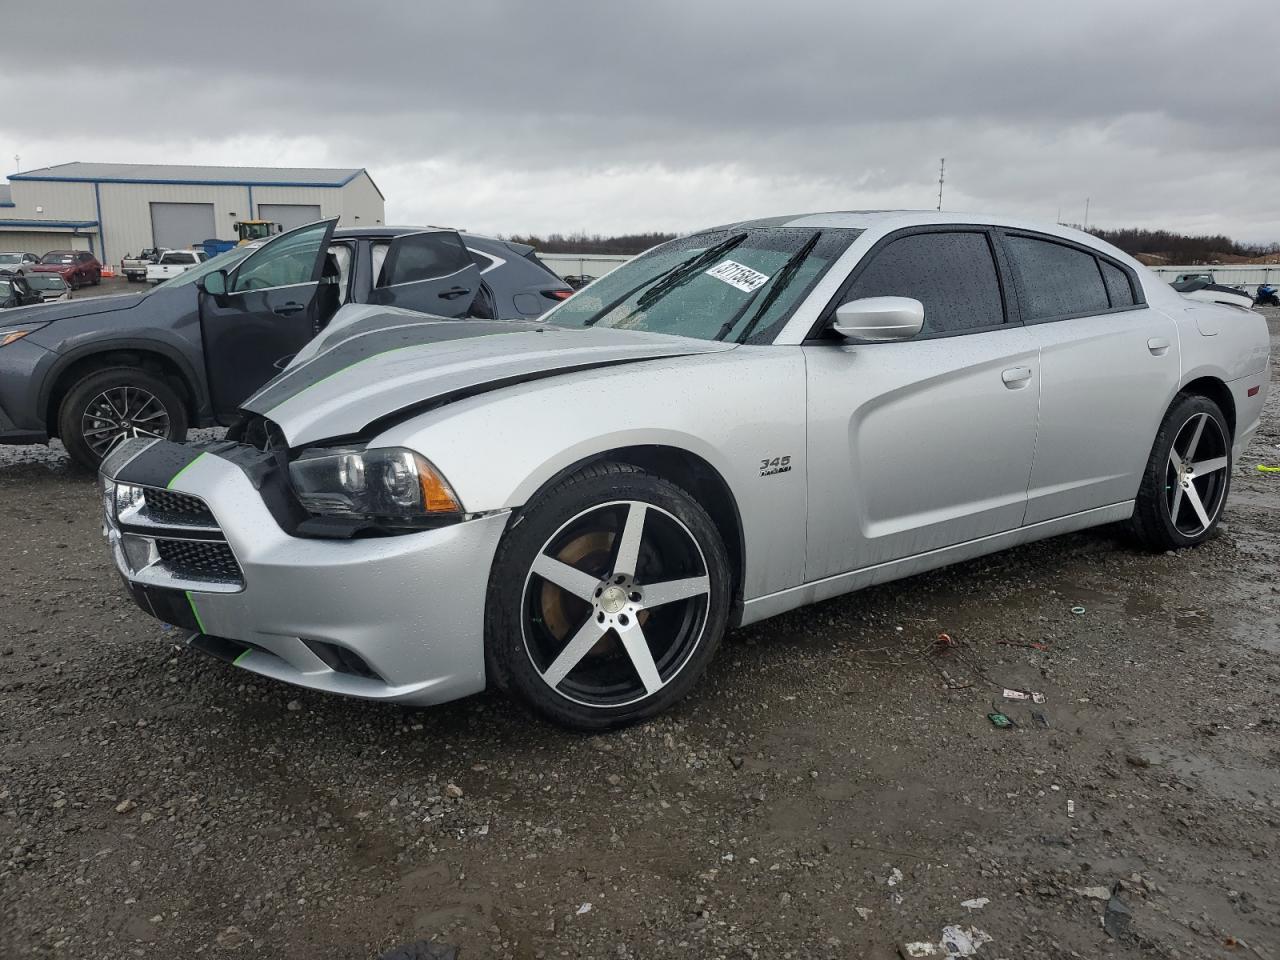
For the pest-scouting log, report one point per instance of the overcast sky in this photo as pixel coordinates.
(513, 116)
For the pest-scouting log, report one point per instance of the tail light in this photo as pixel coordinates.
(557, 295)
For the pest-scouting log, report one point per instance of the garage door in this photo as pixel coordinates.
(289, 215)
(176, 226)
(40, 242)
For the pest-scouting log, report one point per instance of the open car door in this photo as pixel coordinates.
(430, 271)
(276, 299)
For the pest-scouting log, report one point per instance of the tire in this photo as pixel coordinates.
(603, 655)
(97, 278)
(83, 433)
(1172, 503)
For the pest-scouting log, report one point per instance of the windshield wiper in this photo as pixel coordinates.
(783, 278)
(669, 279)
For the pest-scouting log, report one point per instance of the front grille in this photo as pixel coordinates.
(167, 506)
(199, 559)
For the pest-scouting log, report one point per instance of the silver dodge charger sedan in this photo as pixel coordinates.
(737, 423)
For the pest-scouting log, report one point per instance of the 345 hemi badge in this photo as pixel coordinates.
(777, 465)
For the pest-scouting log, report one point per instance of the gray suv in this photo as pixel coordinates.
(186, 353)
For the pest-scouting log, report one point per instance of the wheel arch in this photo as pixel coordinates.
(1215, 389)
(697, 477)
(174, 369)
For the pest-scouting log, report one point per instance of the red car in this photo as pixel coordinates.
(76, 267)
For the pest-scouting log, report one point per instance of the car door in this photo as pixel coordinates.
(920, 444)
(276, 300)
(1110, 366)
(431, 271)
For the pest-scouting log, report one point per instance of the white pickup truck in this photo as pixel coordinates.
(174, 262)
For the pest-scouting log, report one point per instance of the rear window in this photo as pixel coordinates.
(1056, 280)
(424, 256)
(533, 257)
(178, 258)
(58, 256)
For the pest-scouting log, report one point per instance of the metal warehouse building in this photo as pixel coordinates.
(116, 208)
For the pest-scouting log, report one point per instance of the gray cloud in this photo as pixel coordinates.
(557, 115)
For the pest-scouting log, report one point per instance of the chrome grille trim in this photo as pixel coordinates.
(171, 540)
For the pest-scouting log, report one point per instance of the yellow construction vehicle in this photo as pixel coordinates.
(249, 230)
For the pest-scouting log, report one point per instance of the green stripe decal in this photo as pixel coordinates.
(181, 472)
(236, 661)
(195, 613)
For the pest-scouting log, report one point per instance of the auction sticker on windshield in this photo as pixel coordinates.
(737, 275)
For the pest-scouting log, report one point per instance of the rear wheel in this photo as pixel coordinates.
(608, 598)
(1187, 478)
(107, 406)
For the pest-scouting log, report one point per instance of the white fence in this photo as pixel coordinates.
(580, 265)
(1232, 274)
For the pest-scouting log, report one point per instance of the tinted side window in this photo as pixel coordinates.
(1117, 281)
(952, 274)
(1056, 280)
(424, 256)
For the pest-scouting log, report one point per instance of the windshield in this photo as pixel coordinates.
(57, 257)
(735, 285)
(226, 260)
(46, 281)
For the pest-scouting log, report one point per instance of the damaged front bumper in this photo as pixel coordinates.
(201, 536)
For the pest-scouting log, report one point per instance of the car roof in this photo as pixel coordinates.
(886, 221)
(380, 231)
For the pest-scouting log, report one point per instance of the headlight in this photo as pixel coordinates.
(391, 486)
(121, 500)
(11, 334)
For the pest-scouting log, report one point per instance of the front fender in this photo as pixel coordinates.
(733, 410)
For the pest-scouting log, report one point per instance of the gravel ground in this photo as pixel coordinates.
(823, 793)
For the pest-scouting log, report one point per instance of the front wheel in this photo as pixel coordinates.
(111, 405)
(1185, 485)
(608, 598)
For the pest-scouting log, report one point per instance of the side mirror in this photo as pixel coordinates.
(879, 319)
(214, 283)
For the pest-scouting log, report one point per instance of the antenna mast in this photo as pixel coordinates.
(942, 169)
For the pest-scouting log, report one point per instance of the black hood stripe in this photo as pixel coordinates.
(158, 465)
(348, 352)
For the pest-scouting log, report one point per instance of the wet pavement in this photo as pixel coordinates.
(833, 788)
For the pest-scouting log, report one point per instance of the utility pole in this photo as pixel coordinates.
(942, 169)
(17, 163)
(1086, 213)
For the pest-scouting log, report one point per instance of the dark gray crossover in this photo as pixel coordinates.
(186, 353)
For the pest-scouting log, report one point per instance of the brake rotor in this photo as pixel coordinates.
(590, 551)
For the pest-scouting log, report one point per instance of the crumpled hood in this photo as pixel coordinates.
(43, 313)
(385, 364)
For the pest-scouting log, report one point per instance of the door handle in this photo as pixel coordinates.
(1016, 377)
(453, 293)
(1158, 346)
(287, 309)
